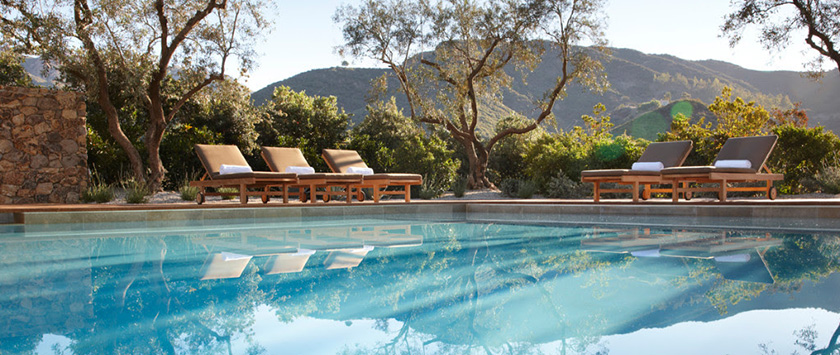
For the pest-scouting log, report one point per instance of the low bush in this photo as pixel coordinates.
(829, 179)
(509, 187)
(227, 190)
(527, 189)
(98, 192)
(459, 187)
(561, 186)
(135, 191)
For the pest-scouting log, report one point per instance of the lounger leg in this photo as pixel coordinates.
(285, 193)
(675, 191)
(407, 193)
(635, 191)
(313, 195)
(375, 193)
(596, 191)
(722, 193)
(243, 194)
(348, 192)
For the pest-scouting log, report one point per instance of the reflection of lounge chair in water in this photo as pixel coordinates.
(287, 262)
(639, 242)
(229, 255)
(737, 258)
(346, 258)
(224, 265)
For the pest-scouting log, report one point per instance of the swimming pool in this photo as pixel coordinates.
(326, 285)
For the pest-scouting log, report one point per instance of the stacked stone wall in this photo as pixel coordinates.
(43, 157)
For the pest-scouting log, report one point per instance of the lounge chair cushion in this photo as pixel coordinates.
(664, 152)
(604, 173)
(701, 170)
(280, 158)
(755, 149)
(213, 156)
(340, 160)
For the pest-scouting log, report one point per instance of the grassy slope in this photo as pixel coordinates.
(649, 124)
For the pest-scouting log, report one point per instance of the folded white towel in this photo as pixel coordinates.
(359, 170)
(300, 169)
(648, 166)
(733, 164)
(737, 258)
(234, 256)
(233, 169)
(650, 253)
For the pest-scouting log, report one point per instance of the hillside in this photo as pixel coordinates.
(650, 123)
(635, 78)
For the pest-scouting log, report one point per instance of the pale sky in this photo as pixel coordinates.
(305, 37)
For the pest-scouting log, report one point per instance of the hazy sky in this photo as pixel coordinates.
(304, 37)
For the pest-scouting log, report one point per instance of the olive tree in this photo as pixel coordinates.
(778, 19)
(449, 56)
(147, 42)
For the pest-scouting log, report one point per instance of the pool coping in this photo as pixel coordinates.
(795, 215)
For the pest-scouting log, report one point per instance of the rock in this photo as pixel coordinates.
(69, 146)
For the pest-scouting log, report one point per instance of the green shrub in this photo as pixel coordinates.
(509, 187)
(227, 190)
(135, 191)
(388, 141)
(527, 189)
(829, 179)
(800, 153)
(188, 193)
(98, 192)
(459, 187)
(433, 186)
(561, 186)
(505, 161)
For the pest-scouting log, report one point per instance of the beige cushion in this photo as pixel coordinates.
(279, 158)
(213, 156)
(339, 159)
(755, 149)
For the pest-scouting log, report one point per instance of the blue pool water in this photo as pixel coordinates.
(386, 286)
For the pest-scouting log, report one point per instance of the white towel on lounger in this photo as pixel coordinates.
(746, 164)
(648, 166)
(300, 169)
(233, 169)
(359, 170)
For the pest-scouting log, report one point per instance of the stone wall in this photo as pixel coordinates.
(43, 157)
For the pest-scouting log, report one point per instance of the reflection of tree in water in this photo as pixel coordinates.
(150, 301)
(454, 294)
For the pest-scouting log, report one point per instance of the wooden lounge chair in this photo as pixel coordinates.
(670, 154)
(754, 150)
(213, 156)
(278, 159)
(340, 161)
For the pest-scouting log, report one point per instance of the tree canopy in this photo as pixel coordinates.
(145, 42)
(451, 55)
(780, 19)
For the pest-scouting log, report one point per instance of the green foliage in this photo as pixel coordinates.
(800, 154)
(311, 123)
(98, 191)
(561, 186)
(527, 189)
(388, 141)
(738, 117)
(228, 190)
(177, 151)
(135, 191)
(12, 72)
(506, 157)
(581, 149)
(459, 187)
(778, 21)
(829, 179)
(509, 187)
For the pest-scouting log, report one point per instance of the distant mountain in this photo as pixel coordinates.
(34, 66)
(635, 78)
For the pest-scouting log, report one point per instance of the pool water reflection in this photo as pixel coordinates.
(395, 286)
